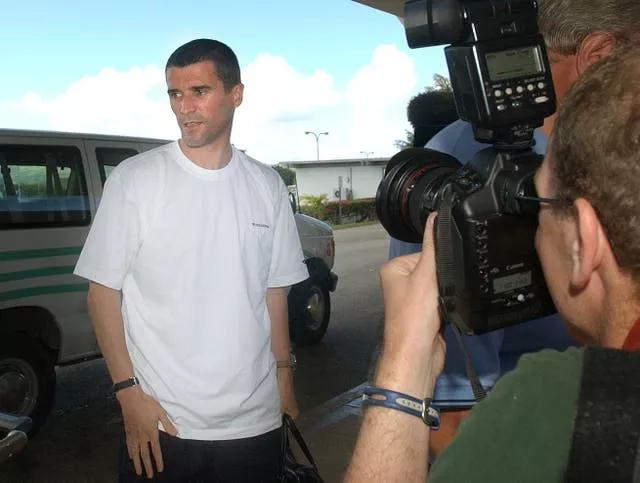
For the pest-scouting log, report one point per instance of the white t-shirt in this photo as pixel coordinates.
(193, 252)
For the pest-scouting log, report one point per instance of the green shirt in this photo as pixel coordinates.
(523, 431)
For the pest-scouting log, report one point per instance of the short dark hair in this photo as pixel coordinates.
(429, 112)
(595, 150)
(202, 50)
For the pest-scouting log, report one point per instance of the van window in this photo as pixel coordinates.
(42, 186)
(109, 158)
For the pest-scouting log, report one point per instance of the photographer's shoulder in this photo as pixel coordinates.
(536, 399)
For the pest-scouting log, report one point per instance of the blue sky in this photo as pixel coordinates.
(334, 66)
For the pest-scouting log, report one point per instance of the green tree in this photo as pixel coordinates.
(440, 83)
(405, 143)
(288, 175)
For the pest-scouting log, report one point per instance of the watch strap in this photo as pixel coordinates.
(421, 408)
(119, 386)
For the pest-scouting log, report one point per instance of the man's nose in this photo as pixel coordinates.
(187, 105)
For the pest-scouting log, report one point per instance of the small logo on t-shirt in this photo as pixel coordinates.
(260, 225)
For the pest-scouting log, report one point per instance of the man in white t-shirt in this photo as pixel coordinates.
(190, 257)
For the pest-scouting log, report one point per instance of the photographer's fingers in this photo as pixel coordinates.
(428, 260)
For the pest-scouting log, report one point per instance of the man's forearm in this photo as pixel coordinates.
(393, 446)
(106, 317)
(278, 312)
(279, 315)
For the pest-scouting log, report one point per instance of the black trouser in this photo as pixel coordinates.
(247, 460)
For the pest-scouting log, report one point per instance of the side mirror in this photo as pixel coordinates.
(292, 201)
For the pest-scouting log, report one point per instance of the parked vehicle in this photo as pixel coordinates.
(50, 187)
(309, 301)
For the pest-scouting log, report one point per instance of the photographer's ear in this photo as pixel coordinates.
(589, 247)
(594, 47)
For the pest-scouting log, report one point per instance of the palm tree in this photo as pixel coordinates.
(429, 112)
(440, 83)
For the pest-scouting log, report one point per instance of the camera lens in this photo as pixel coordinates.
(409, 191)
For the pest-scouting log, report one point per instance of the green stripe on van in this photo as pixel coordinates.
(45, 290)
(35, 273)
(39, 253)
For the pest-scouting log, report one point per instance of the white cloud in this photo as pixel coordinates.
(275, 88)
(280, 104)
(111, 102)
(384, 82)
(378, 96)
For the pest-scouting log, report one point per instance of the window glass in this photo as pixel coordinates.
(42, 186)
(109, 158)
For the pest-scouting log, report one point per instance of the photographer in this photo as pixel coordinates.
(588, 242)
(578, 33)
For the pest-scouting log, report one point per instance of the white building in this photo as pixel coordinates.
(359, 177)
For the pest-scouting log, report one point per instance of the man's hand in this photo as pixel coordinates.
(141, 414)
(394, 446)
(414, 350)
(288, 402)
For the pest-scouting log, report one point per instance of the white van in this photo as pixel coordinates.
(50, 187)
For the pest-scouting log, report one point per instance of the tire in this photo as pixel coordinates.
(27, 379)
(311, 312)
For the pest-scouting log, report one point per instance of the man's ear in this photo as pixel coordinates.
(589, 246)
(594, 47)
(238, 93)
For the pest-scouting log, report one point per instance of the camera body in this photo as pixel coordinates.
(489, 274)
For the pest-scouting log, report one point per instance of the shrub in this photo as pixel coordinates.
(314, 206)
(362, 209)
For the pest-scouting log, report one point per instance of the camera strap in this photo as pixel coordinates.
(605, 444)
(444, 260)
(479, 392)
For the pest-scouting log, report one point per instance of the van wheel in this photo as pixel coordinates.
(311, 312)
(27, 379)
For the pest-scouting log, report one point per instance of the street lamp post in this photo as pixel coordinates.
(317, 136)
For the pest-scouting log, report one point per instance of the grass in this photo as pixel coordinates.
(353, 225)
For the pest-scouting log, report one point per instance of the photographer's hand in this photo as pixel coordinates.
(414, 350)
(394, 446)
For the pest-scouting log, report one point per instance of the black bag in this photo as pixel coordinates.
(292, 470)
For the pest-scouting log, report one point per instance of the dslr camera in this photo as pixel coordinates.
(489, 274)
